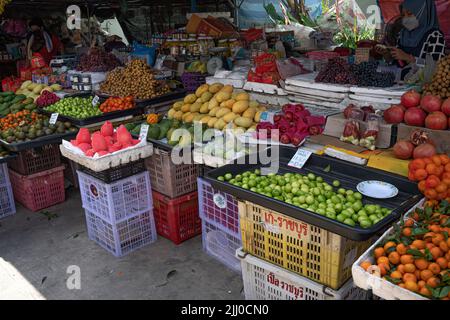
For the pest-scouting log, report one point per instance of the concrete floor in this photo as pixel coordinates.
(41, 247)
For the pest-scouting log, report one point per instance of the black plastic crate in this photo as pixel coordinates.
(119, 172)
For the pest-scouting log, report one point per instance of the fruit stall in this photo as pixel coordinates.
(319, 174)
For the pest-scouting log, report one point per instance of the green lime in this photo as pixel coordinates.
(336, 183)
(350, 222)
(357, 195)
(365, 224)
(341, 217)
(220, 178)
(311, 176)
(228, 176)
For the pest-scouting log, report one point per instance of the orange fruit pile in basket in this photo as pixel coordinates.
(433, 176)
(417, 256)
(115, 104)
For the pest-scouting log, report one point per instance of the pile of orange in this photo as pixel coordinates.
(433, 175)
(417, 256)
(13, 120)
(115, 104)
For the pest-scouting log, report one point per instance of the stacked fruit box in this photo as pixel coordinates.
(175, 197)
(7, 206)
(37, 177)
(221, 234)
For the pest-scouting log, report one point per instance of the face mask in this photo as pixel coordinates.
(410, 23)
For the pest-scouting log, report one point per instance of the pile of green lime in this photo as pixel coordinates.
(312, 193)
(75, 107)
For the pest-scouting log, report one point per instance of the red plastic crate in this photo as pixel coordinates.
(177, 219)
(40, 190)
(36, 160)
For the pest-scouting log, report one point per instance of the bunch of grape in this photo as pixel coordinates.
(366, 75)
(337, 71)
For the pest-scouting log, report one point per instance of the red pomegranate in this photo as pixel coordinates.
(445, 107)
(394, 114)
(436, 120)
(403, 149)
(410, 99)
(430, 103)
(415, 117)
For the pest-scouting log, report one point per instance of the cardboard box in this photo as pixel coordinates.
(441, 138)
(193, 24)
(386, 135)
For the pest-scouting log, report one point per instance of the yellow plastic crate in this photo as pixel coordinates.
(310, 251)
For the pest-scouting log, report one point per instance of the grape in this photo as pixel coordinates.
(97, 60)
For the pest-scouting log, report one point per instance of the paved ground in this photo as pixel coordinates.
(36, 250)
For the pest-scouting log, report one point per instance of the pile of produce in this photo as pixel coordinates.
(34, 90)
(47, 98)
(419, 145)
(25, 126)
(421, 111)
(352, 132)
(105, 141)
(75, 107)
(3, 152)
(365, 74)
(12, 103)
(136, 79)
(97, 60)
(224, 148)
(417, 257)
(433, 175)
(116, 104)
(216, 106)
(440, 84)
(312, 193)
(293, 125)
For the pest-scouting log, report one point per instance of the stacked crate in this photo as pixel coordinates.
(37, 177)
(221, 234)
(119, 207)
(175, 197)
(7, 206)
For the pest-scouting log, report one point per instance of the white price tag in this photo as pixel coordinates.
(53, 118)
(95, 100)
(143, 132)
(219, 201)
(267, 116)
(300, 158)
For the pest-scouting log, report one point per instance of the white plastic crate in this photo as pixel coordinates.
(123, 237)
(4, 177)
(218, 207)
(118, 200)
(221, 244)
(7, 205)
(380, 287)
(266, 281)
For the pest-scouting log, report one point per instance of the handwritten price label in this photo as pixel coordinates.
(53, 118)
(219, 201)
(143, 132)
(95, 100)
(300, 158)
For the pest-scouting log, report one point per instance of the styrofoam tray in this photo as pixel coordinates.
(307, 81)
(316, 102)
(236, 83)
(380, 287)
(314, 92)
(109, 161)
(273, 100)
(396, 91)
(385, 100)
(264, 88)
(317, 98)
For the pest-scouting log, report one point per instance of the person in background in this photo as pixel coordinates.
(419, 37)
(114, 42)
(42, 42)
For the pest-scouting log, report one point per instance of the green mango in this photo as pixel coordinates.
(153, 132)
(130, 126)
(136, 130)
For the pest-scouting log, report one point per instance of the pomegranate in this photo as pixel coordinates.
(425, 150)
(445, 107)
(403, 149)
(410, 99)
(419, 136)
(436, 120)
(394, 114)
(415, 117)
(430, 103)
(348, 110)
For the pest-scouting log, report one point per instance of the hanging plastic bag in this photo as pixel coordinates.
(369, 137)
(352, 131)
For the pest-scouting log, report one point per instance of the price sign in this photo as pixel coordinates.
(219, 201)
(95, 100)
(53, 118)
(267, 116)
(143, 132)
(300, 158)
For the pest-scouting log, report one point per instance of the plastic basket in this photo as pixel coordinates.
(218, 207)
(118, 200)
(123, 237)
(310, 251)
(177, 219)
(192, 80)
(36, 160)
(40, 190)
(168, 178)
(221, 244)
(4, 179)
(379, 286)
(265, 281)
(7, 205)
(117, 173)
